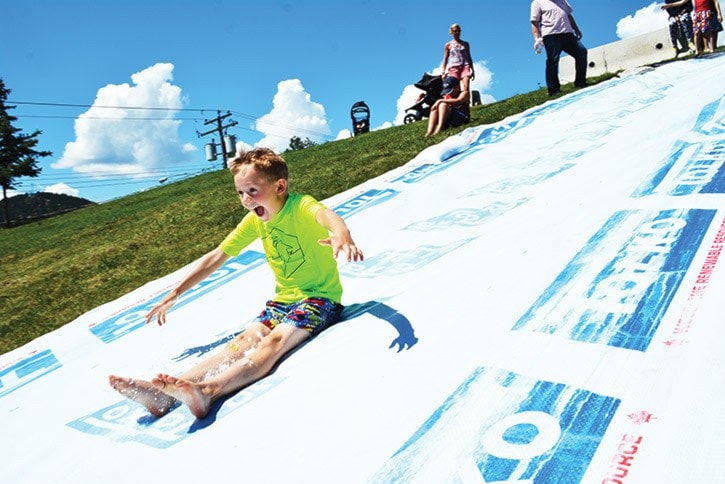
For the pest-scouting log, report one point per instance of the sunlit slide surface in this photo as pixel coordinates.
(542, 300)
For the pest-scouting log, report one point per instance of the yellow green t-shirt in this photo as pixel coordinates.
(302, 267)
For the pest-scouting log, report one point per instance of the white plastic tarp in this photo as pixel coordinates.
(541, 301)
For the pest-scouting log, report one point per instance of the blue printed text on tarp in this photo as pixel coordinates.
(135, 317)
(621, 300)
(26, 370)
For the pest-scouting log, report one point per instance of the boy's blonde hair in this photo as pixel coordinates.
(265, 161)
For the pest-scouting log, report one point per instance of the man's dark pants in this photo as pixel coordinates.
(555, 44)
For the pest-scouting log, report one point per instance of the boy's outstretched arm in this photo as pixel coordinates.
(340, 238)
(209, 263)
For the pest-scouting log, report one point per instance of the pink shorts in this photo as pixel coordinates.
(459, 72)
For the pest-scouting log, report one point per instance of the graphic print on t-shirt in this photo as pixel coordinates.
(288, 251)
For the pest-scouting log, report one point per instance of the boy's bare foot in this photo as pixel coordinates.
(189, 393)
(143, 392)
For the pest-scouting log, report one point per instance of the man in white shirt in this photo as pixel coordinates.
(554, 28)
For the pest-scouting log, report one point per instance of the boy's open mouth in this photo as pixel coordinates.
(259, 210)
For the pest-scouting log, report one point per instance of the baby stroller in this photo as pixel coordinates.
(432, 85)
(360, 114)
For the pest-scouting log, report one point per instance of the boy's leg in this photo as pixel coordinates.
(242, 345)
(242, 372)
(143, 392)
(158, 403)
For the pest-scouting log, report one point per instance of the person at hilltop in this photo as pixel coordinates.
(706, 22)
(453, 109)
(717, 27)
(457, 61)
(554, 28)
(301, 239)
(680, 25)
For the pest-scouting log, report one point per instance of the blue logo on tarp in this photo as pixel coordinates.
(621, 301)
(500, 426)
(422, 172)
(696, 164)
(514, 184)
(27, 370)
(127, 421)
(465, 217)
(500, 132)
(395, 263)
(134, 318)
(363, 201)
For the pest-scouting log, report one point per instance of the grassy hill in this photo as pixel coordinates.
(56, 269)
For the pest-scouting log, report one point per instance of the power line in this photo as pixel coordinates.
(105, 118)
(237, 113)
(286, 126)
(69, 105)
(157, 169)
(102, 183)
(96, 118)
(70, 178)
(150, 172)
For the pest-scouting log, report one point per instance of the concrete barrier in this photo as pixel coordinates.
(624, 54)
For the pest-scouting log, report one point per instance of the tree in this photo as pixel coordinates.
(18, 156)
(296, 143)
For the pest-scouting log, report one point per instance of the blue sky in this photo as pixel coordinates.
(281, 68)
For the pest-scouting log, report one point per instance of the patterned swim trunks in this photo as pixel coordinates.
(702, 22)
(311, 314)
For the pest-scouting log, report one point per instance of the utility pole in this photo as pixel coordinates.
(227, 143)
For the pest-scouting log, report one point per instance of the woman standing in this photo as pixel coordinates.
(704, 21)
(457, 60)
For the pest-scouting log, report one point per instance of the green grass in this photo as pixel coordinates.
(56, 269)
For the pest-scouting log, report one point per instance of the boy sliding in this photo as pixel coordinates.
(301, 239)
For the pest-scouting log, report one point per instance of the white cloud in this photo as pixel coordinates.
(109, 142)
(487, 99)
(343, 134)
(643, 21)
(385, 125)
(481, 83)
(242, 146)
(293, 114)
(11, 193)
(483, 79)
(406, 100)
(62, 188)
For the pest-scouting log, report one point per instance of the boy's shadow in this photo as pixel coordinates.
(405, 339)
